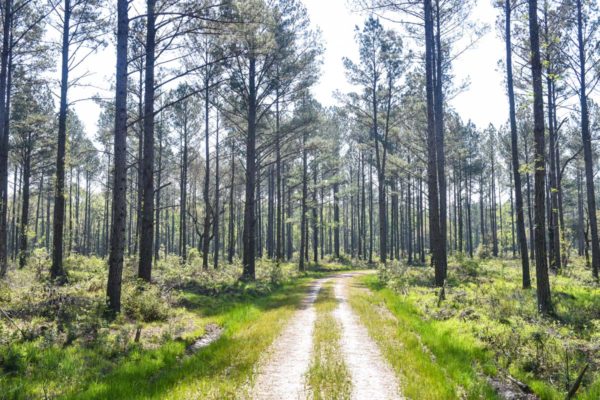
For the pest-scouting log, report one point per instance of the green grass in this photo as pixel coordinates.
(219, 371)
(433, 360)
(68, 349)
(486, 304)
(328, 377)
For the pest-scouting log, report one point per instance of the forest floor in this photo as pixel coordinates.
(331, 333)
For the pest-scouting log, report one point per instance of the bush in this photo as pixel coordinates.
(40, 261)
(144, 302)
(12, 359)
(393, 275)
(484, 252)
(276, 274)
(470, 267)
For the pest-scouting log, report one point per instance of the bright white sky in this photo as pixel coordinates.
(483, 102)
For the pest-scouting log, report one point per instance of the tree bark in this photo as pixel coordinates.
(436, 242)
(25, 206)
(57, 271)
(543, 282)
(208, 212)
(157, 230)
(587, 145)
(4, 61)
(147, 233)
(183, 237)
(119, 203)
(315, 229)
(441, 258)
(217, 211)
(303, 227)
(526, 279)
(231, 251)
(249, 233)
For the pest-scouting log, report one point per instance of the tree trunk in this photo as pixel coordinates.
(231, 208)
(4, 61)
(587, 146)
(183, 238)
(147, 226)
(39, 210)
(303, 227)
(371, 209)
(441, 258)
(57, 271)
(205, 193)
(157, 230)
(270, 212)
(315, 226)
(543, 282)
(119, 203)
(554, 228)
(25, 207)
(248, 235)
(526, 280)
(580, 222)
(436, 241)
(289, 226)
(217, 211)
(336, 221)
(279, 212)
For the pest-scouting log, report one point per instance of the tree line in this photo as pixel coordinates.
(213, 146)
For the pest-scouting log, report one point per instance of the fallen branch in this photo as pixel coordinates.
(577, 383)
(12, 322)
(522, 386)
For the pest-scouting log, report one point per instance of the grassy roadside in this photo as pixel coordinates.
(218, 371)
(485, 302)
(328, 376)
(432, 359)
(59, 345)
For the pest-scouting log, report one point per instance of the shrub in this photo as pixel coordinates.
(276, 274)
(12, 359)
(484, 252)
(393, 274)
(470, 267)
(144, 302)
(40, 261)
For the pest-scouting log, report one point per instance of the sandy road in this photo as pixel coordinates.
(282, 375)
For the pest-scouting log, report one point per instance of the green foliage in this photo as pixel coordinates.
(39, 259)
(62, 345)
(484, 251)
(393, 273)
(435, 359)
(485, 303)
(470, 267)
(144, 302)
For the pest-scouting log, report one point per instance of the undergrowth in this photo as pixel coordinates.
(57, 341)
(486, 303)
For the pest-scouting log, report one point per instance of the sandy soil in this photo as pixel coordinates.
(372, 377)
(282, 375)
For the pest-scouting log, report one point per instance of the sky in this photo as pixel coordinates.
(483, 102)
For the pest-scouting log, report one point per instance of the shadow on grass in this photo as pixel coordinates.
(440, 352)
(221, 368)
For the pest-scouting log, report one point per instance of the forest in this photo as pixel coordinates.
(221, 232)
